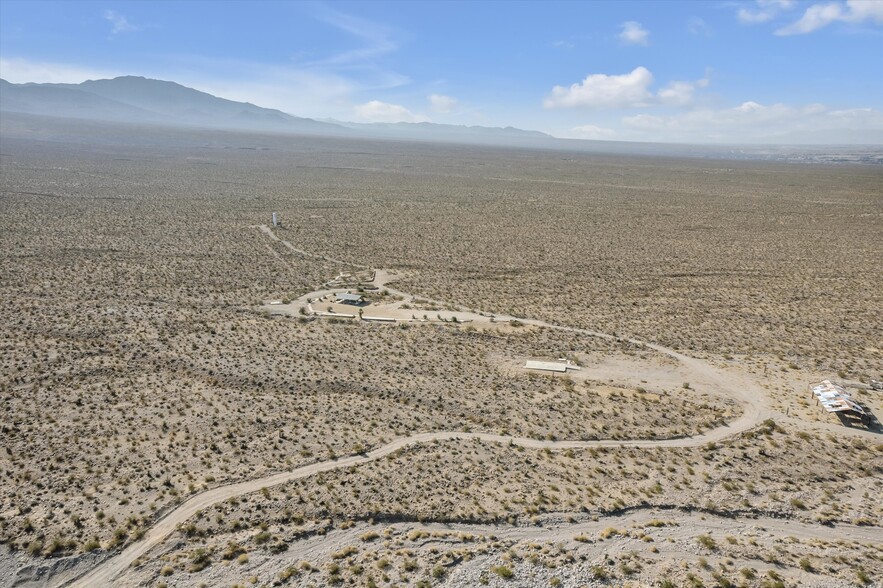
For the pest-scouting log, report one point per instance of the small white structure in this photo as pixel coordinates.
(550, 366)
(275, 220)
(834, 398)
(347, 298)
(379, 319)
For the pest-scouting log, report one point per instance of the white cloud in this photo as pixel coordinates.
(862, 10)
(20, 71)
(815, 17)
(634, 34)
(377, 111)
(697, 26)
(442, 104)
(754, 16)
(119, 22)
(747, 113)
(766, 10)
(852, 113)
(377, 38)
(302, 91)
(644, 121)
(631, 90)
(681, 93)
(749, 106)
(605, 91)
(819, 16)
(361, 69)
(752, 121)
(592, 132)
(677, 93)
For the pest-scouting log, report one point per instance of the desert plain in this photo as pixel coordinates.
(185, 402)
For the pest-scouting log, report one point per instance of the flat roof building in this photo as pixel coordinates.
(550, 366)
(347, 298)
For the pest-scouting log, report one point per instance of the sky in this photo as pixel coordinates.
(758, 71)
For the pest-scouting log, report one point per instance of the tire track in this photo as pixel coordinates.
(723, 383)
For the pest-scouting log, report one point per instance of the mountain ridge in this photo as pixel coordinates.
(146, 100)
(139, 100)
(404, 127)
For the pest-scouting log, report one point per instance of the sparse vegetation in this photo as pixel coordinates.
(504, 572)
(706, 541)
(137, 368)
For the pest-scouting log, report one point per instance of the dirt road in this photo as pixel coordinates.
(269, 232)
(718, 381)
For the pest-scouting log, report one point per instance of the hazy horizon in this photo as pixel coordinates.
(765, 72)
(140, 101)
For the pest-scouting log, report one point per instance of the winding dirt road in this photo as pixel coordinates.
(269, 232)
(720, 382)
(104, 574)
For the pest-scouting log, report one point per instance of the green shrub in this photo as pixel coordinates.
(706, 541)
(200, 560)
(504, 572)
(600, 573)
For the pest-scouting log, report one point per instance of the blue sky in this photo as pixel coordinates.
(753, 71)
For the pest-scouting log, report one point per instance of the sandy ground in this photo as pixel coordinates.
(137, 374)
(726, 383)
(673, 533)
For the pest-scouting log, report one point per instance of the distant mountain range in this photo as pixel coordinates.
(141, 100)
(439, 130)
(138, 100)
